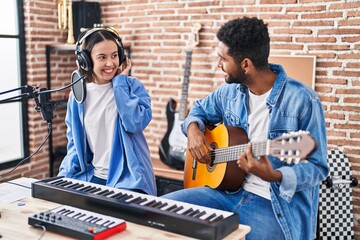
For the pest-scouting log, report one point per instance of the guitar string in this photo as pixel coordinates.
(232, 153)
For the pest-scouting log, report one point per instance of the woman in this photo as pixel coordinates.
(106, 144)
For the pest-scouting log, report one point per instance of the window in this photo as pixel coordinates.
(13, 121)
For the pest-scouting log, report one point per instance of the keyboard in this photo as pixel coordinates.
(78, 223)
(165, 214)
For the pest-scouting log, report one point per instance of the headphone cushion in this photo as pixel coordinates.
(122, 55)
(84, 60)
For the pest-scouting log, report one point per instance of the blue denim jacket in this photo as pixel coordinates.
(293, 106)
(130, 162)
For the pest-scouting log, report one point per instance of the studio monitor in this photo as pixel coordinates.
(85, 15)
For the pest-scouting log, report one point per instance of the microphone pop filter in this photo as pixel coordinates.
(78, 86)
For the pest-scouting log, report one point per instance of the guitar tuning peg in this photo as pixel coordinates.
(296, 160)
(289, 160)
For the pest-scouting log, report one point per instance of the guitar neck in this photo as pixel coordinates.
(185, 87)
(228, 154)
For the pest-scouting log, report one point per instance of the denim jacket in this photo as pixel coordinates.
(293, 106)
(130, 164)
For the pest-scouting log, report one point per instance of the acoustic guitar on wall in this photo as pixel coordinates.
(229, 142)
(173, 145)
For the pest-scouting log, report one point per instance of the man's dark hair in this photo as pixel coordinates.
(246, 38)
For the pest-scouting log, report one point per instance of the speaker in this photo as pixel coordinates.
(85, 15)
(167, 185)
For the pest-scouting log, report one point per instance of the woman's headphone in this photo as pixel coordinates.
(83, 58)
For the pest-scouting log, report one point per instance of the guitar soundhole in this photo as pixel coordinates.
(211, 166)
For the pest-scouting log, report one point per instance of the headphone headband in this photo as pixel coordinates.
(88, 32)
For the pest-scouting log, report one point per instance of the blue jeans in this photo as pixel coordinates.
(253, 210)
(98, 180)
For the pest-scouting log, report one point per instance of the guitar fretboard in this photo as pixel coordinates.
(232, 153)
(185, 87)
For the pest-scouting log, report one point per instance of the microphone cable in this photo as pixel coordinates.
(37, 150)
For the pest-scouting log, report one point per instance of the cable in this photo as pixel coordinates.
(43, 228)
(47, 137)
(62, 88)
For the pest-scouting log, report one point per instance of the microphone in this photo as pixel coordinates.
(78, 86)
(45, 105)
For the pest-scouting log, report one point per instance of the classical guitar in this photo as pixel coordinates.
(173, 145)
(229, 142)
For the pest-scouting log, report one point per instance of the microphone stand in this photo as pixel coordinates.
(45, 105)
(32, 92)
(29, 92)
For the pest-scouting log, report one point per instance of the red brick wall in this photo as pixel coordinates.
(156, 31)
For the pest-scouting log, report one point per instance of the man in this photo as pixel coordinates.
(277, 200)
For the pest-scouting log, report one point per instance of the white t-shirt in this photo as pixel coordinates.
(258, 120)
(100, 116)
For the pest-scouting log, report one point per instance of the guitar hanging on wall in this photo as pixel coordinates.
(173, 145)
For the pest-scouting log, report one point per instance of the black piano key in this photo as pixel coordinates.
(143, 200)
(126, 197)
(61, 210)
(159, 205)
(177, 209)
(65, 183)
(108, 224)
(81, 215)
(89, 218)
(102, 192)
(162, 205)
(84, 189)
(156, 204)
(66, 211)
(171, 208)
(78, 186)
(89, 190)
(97, 220)
(94, 190)
(210, 217)
(137, 200)
(57, 181)
(117, 195)
(186, 212)
(200, 214)
(150, 203)
(69, 212)
(94, 220)
(73, 186)
(193, 213)
(105, 223)
(77, 215)
(218, 218)
(60, 183)
(108, 193)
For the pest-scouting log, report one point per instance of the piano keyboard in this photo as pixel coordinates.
(78, 223)
(165, 214)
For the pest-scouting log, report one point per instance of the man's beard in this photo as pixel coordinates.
(240, 77)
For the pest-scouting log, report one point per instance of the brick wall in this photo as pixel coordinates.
(157, 31)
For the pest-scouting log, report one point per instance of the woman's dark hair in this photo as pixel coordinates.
(246, 38)
(89, 44)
